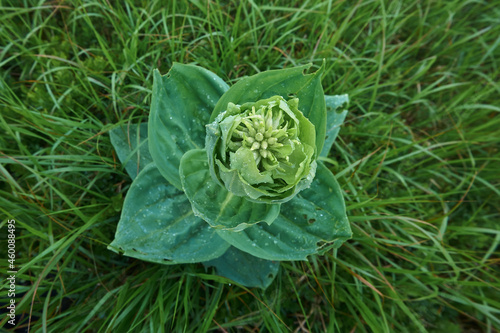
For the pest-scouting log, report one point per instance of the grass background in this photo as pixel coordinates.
(417, 158)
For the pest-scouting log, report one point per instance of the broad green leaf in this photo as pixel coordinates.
(180, 109)
(131, 146)
(245, 269)
(158, 225)
(334, 119)
(216, 205)
(284, 82)
(312, 222)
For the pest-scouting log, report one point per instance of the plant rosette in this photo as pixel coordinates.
(232, 177)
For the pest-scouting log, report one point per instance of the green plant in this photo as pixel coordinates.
(230, 176)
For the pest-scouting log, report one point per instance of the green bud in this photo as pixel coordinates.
(266, 149)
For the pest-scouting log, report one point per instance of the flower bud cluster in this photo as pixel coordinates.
(264, 150)
(268, 132)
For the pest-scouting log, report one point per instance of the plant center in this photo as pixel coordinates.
(268, 133)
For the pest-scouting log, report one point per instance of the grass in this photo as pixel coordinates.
(417, 159)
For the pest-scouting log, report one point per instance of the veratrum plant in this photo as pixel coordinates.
(232, 177)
